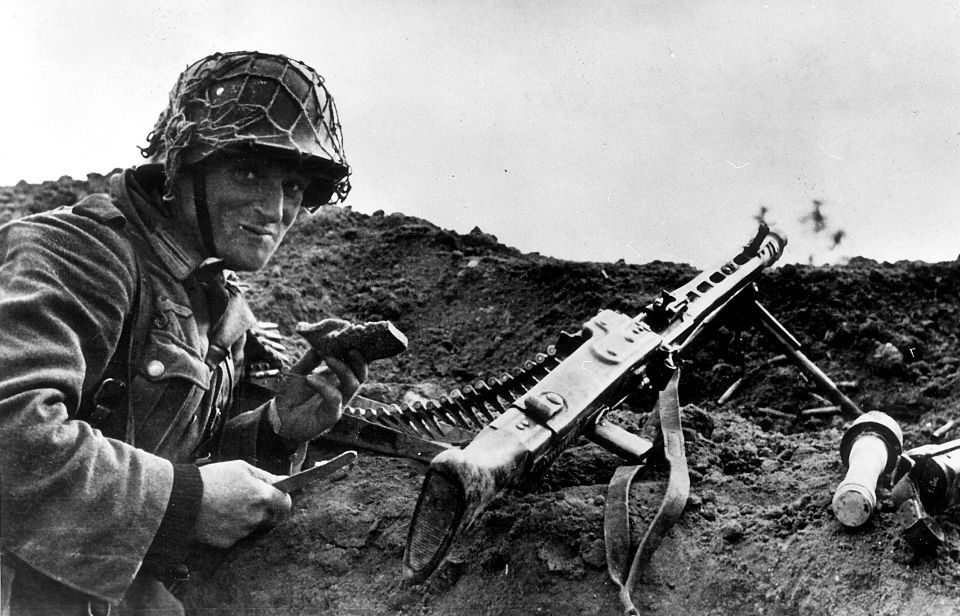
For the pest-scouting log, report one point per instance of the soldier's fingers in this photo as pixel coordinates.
(358, 365)
(280, 505)
(330, 392)
(274, 344)
(272, 512)
(263, 475)
(272, 503)
(325, 327)
(349, 383)
(307, 363)
(326, 382)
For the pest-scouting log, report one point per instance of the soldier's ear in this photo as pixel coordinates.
(181, 205)
(181, 190)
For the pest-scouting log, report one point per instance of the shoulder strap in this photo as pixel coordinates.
(624, 571)
(99, 207)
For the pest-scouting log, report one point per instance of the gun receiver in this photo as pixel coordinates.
(619, 355)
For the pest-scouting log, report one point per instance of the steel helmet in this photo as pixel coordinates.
(247, 100)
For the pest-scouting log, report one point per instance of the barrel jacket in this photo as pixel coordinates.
(108, 289)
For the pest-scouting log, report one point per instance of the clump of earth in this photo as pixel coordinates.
(757, 536)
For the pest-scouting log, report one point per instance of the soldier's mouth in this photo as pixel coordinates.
(256, 230)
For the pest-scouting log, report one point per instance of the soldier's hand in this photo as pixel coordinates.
(237, 499)
(274, 344)
(308, 405)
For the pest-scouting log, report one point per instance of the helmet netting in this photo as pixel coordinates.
(242, 99)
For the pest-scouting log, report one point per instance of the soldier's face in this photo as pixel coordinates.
(252, 203)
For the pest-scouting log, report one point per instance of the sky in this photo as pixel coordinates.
(590, 131)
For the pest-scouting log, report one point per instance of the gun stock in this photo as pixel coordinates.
(619, 355)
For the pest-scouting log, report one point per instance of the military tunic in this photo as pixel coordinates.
(109, 289)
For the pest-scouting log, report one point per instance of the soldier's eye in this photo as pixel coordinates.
(246, 172)
(294, 188)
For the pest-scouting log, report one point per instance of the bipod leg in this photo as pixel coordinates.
(791, 348)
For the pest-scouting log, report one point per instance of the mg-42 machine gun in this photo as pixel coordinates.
(523, 420)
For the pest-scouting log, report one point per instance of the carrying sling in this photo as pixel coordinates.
(623, 568)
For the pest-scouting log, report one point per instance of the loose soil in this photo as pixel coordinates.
(757, 536)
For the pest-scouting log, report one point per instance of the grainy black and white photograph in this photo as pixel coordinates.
(490, 308)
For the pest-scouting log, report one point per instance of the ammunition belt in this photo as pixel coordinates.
(472, 407)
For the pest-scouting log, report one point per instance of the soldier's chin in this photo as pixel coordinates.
(247, 262)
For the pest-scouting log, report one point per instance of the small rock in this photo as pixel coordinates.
(345, 526)
(886, 359)
(595, 555)
(559, 560)
(732, 532)
(709, 511)
(332, 560)
(769, 466)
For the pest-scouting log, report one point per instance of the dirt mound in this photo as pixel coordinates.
(757, 535)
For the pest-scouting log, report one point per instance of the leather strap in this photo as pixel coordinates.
(624, 570)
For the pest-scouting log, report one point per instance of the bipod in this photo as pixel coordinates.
(750, 311)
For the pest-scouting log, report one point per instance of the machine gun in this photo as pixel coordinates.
(613, 358)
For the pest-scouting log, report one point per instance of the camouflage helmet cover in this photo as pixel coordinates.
(251, 100)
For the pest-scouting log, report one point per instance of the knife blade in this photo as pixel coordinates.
(316, 472)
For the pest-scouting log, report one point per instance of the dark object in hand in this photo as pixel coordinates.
(373, 340)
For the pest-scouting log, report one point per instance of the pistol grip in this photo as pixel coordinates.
(630, 447)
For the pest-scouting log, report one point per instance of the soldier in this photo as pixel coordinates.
(128, 428)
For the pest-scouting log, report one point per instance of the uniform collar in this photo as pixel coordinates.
(138, 194)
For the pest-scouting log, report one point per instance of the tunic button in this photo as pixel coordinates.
(156, 368)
